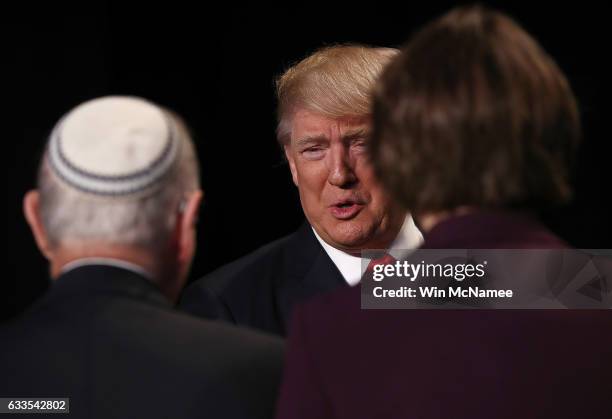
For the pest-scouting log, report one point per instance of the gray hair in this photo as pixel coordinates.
(146, 221)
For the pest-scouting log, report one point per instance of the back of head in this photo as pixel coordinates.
(473, 112)
(114, 173)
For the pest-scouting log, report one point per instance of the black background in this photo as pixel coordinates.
(215, 67)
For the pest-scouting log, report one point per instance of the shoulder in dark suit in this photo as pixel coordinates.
(109, 340)
(261, 289)
(344, 362)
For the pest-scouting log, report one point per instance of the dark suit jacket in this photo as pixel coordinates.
(109, 340)
(344, 362)
(260, 290)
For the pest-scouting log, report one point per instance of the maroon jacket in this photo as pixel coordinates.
(344, 362)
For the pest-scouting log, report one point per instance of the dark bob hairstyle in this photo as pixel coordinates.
(473, 112)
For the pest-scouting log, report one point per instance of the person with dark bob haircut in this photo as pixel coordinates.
(474, 131)
(474, 114)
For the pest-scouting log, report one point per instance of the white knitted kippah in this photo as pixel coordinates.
(114, 145)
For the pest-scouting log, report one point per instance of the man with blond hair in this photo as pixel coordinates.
(474, 128)
(323, 128)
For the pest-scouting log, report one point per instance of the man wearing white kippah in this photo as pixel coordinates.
(114, 213)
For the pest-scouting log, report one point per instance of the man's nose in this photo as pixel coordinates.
(341, 171)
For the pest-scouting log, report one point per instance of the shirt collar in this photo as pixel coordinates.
(77, 263)
(408, 238)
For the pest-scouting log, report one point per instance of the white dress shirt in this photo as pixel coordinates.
(408, 238)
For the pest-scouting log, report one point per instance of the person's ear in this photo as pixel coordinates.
(187, 228)
(291, 160)
(31, 211)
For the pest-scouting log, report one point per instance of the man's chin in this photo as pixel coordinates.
(349, 237)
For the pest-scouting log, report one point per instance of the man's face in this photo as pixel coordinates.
(340, 196)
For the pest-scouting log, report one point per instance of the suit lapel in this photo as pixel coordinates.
(309, 272)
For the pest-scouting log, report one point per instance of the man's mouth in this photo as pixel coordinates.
(346, 209)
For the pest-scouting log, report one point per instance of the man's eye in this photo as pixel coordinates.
(312, 151)
(359, 143)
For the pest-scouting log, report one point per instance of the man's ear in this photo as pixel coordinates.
(31, 211)
(188, 219)
(291, 161)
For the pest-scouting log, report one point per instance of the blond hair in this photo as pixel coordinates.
(334, 81)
